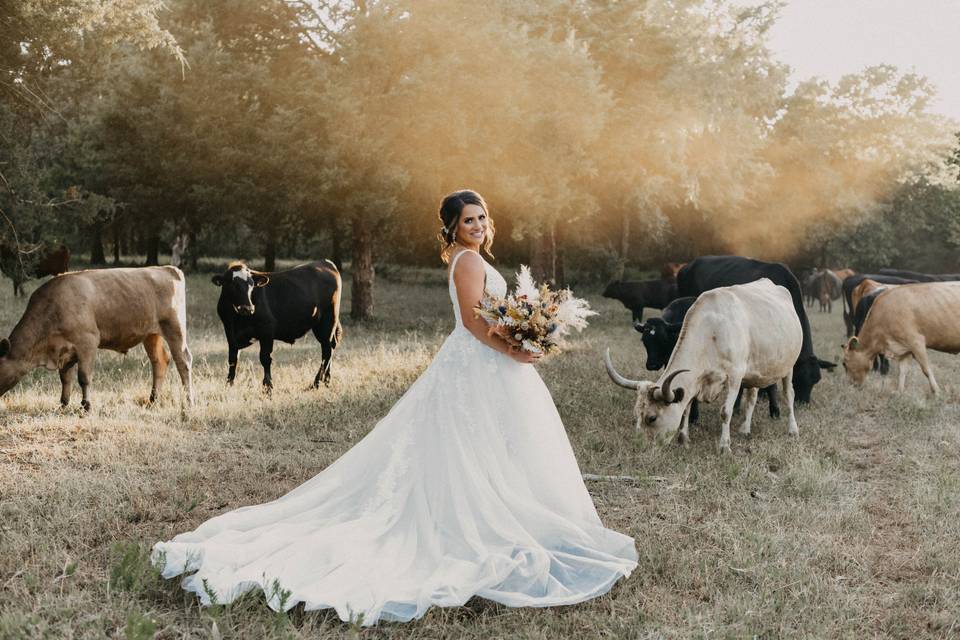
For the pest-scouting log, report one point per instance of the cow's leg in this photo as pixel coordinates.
(751, 396)
(683, 436)
(694, 411)
(159, 360)
(786, 385)
(322, 332)
(726, 413)
(920, 355)
(67, 373)
(774, 398)
(902, 363)
(266, 349)
(181, 355)
(86, 356)
(233, 352)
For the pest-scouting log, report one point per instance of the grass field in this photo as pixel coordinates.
(852, 530)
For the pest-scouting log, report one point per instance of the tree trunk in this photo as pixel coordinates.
(193, 253)
(97, 256)
(337, 240)
(543, 255)
(624, 246)
(116, 243)
(561, 272)
(153, 248)
(361, 294)
(270, 252)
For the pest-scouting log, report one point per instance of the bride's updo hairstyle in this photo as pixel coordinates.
(450, 210)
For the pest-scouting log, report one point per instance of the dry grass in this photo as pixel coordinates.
(851, 531)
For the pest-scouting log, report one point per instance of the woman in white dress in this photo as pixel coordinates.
(467, 487)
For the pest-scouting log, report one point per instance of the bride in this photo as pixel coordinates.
(468, 486)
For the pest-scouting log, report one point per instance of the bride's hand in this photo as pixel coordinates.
(523, 356)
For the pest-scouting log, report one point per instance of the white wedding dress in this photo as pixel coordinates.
(468, 486)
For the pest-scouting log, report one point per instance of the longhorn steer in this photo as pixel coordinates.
(740, 335)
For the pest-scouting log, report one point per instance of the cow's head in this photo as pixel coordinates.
(806, 374)
(856, 361)
(659, 408)
(238, 284)
(613, 290)
(11, 369)
(659, 339)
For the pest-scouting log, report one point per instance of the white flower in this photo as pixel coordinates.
(526, 285)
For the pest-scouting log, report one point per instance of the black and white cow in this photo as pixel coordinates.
(256, 306)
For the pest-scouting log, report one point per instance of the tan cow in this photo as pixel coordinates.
(72, 315)
(904, 322)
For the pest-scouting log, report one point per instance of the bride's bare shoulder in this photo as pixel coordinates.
(466, 268)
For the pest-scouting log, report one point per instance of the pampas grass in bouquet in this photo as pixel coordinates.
(532, 318)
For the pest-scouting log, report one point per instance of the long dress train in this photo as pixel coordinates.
(468, 486)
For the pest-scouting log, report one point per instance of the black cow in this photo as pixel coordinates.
(282, 305)
(711, 272)
(921, 277)
(36, 262)
(635, 295)
(849, 284)
(660, 335)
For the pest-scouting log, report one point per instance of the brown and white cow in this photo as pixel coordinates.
(747, 334)
(72, 315)
(904, 322)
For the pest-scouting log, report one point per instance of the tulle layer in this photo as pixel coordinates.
(468, 486)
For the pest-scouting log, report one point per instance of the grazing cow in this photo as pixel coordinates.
(41, 261)
(660, 335)
(281, 305)
(655, 294)
(72, 315)
(905, 322)
(746, 335)
(921, 277)
(668, 272)
(710, 272)
(851, 283)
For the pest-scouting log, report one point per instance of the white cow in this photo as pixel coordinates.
(746, 334)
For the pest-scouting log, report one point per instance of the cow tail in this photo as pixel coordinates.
(336, 334)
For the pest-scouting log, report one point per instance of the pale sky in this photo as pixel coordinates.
(830, 38)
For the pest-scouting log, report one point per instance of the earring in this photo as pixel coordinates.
(453, 237)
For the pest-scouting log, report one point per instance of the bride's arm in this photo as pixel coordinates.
(469, 276)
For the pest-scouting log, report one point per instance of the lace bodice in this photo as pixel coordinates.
(494, 284)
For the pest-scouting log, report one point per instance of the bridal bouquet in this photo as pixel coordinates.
(534, 318)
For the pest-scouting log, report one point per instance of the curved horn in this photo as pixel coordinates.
(616, 377)
(665, 387)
